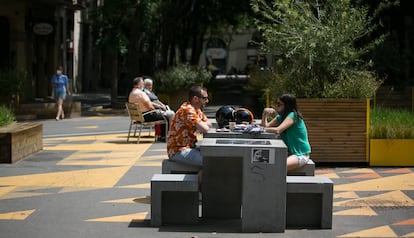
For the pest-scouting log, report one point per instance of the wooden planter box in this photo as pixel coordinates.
(19, 140)
(337, 129)
(391, 152)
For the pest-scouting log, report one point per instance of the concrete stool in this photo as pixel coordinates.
(174, 199)
(309, 202)
(172, 167)
(306, 170)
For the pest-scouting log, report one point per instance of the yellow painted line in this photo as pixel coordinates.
(154, 157)
(390, 199)
(75, 189)
(160, 149)
(142, 185)
(123, 200)
(101, 147)
(13, 195)
(360, 211)
(346, 195)
(398, 182)
(328, 175)
(358, 171)
(102, 178)
(382, 231)
(17, 215)
(99, 162)
(88, 127)
(122, 218)
(149, 163)
(409, 235)
(6, 190)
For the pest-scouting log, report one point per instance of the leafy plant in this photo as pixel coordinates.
(12, 82)
(391, 124)
(182, 76)
(323, 47)
(6, 116)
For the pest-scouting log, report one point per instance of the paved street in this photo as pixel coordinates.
(89, 182)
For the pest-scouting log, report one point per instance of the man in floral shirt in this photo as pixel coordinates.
(188, 119)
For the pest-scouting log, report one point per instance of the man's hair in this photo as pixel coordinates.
(195, 91)
(136, 81)
(147, 80)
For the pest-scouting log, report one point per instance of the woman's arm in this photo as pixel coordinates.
(288, 122)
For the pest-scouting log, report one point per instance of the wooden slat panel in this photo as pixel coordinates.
(337, 129)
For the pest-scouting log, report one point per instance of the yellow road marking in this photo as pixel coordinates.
(142, 185)
(101, 178)
(6, 190)
(390, 199)
(122, 218)
(397, 182)
(358, 171)
(346, 195)
(382, 231)
(328, 175)
(75, 189)
(123, 200)
(17, 215)
(12, 195)
(360, 211)
(88, 127)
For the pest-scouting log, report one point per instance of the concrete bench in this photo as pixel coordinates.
(174, 199)
(306, 170)
(309, 202)
(172, 167)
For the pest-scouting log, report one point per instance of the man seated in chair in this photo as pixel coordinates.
(141, 98)
(148, 83)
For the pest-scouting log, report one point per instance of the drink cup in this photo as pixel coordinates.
(232, 124)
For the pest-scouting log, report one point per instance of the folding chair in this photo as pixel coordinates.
(137, 118)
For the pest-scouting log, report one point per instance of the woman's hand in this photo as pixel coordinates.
(269, 111)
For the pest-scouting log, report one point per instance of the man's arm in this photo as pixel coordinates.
(203, 126)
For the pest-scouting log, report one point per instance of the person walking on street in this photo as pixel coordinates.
(60, 84)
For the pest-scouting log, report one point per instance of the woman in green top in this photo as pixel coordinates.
(289, 124)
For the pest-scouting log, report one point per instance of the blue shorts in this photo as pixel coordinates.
(60, 94)
(190, 156)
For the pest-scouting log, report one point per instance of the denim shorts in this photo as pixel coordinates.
(190, 156)
(60, 94)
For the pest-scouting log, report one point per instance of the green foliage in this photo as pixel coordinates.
(391, 124)
(323, 47)
(111, 20)
(12, 82)
(182, 76)
(6, 116)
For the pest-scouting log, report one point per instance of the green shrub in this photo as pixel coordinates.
(6, 116)
(323, 47)
(182, 76)
(12, 81)
(391, 124)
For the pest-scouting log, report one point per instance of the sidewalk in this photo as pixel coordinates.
(88, 182)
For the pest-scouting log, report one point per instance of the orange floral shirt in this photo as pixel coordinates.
(182, 133)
